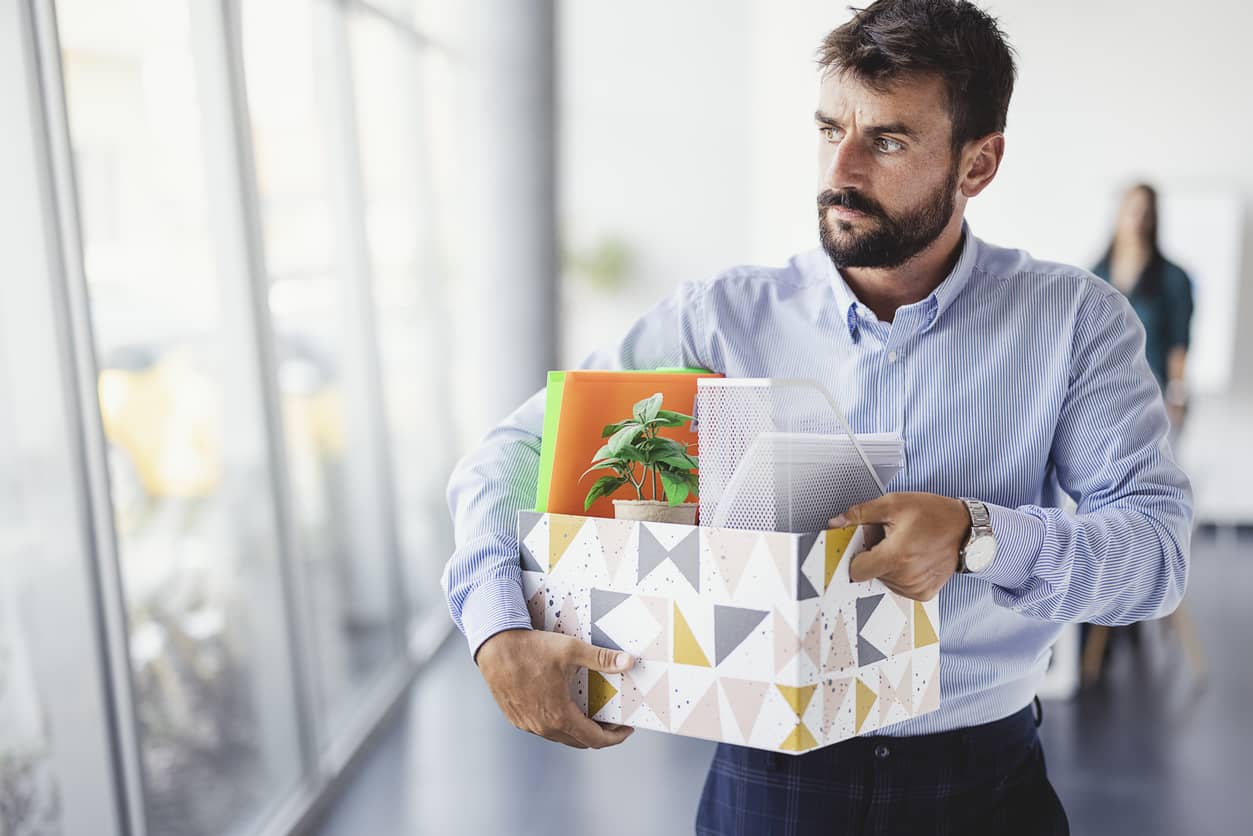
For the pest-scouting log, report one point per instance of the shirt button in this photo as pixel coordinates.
(891, 356)
(881, 752)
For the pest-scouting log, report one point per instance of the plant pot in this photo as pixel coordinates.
(653, 510)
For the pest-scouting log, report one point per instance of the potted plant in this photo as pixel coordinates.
(635, 447)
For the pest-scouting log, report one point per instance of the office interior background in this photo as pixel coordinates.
(271, 266)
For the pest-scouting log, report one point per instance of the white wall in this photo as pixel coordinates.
(687, 126)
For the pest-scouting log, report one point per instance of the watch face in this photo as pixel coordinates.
(979, 553)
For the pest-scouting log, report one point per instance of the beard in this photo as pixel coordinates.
(895, 238)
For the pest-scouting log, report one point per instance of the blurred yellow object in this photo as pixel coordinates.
(164, 424)
(166, 418)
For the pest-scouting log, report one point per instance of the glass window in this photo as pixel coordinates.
(181, 408)
(323, 352)
(54, 749)
(410, 310)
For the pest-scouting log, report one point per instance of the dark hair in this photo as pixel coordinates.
(950, 38)
(1151, 280)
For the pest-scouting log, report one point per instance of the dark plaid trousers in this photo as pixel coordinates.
(984, 779)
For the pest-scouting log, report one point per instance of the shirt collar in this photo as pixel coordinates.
(937, 301)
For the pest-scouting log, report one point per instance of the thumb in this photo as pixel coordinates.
(874, 511)
(604, 659)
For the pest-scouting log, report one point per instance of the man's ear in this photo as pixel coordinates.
(981, 159)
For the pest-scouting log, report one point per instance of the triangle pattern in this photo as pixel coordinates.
(924, 633)
(687, 650)
(706, 718)
(797, 698)
(837, 541)
(745, 698)
(527, 520)
(600, 639)
(652, 553)
(599, 692)
(562, 529)
(604, 600)
(786, 644)
(904, 642)
(658, 699)
(686, 555)
(613, 535)
(730, 552)
(780, 546)
(804, 589)
(840, 653)
(659, 649)
(731, 626)
(812, 643)
(632, 696)
(799, 740)
(867, 653)
(865, 608)
(931, 699)
(567, 618)
(890, 695)
(535, 606)
(529, 563)
(865, 701)
(806, 544)
(832, 703)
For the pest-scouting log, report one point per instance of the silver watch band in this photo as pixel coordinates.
(979, 516)
(980, 526)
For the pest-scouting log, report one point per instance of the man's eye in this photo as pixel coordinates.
(888, 146)
(829, 133)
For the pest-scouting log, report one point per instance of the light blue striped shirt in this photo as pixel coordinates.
(1014, 381)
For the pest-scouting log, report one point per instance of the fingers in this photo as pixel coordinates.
(592, 734)
(872, 563)
(601, 658)
(875, 511)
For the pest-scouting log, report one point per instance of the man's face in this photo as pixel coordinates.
(887, 171)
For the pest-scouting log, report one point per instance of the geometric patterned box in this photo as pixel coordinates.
(748, 637)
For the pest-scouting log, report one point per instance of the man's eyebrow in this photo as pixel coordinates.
(893, 128)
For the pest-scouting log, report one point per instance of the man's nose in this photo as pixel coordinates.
(846, 165)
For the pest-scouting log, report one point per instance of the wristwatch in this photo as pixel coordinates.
(980, 548)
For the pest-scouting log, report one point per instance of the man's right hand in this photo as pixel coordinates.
(529, 673)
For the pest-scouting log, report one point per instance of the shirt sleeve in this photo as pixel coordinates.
(482, 581)
(1124, 555)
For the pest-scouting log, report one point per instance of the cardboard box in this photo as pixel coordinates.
(748, 637)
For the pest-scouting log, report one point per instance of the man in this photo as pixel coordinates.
(1011, 381)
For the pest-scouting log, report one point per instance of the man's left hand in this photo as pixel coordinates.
(922, 536)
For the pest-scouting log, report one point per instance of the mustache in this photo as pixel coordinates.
(849, 199)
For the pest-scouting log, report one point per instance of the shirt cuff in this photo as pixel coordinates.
(1019, 539)
(494, 606)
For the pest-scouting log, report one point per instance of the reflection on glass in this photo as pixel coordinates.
(320, 365)
(29, 794)
(182, 420)
(408, 311)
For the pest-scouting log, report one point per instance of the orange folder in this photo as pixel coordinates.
(579, 403)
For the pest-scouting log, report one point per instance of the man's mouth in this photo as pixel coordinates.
(845, 212)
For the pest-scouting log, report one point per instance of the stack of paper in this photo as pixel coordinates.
(799, 481)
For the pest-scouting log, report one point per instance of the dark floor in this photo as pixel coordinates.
(1154, 750)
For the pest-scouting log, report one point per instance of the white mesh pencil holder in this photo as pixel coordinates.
(777, 454)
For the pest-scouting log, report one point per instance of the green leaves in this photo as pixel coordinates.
(679, 485)
(604, 486)
(623, 437)
(646, 410)
(635, 441)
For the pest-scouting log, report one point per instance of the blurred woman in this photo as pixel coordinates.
(1161, 294)
(1158, 289)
